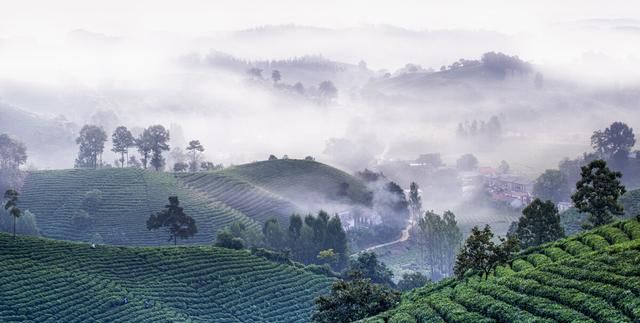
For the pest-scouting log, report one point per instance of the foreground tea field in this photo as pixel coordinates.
(51, 281)
(591, 277)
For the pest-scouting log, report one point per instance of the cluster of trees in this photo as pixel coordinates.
(22, 222)
(439, 239)
(317, 239)
(497, 64)
(174, 220)
(150, 144)
(467, 162)
(491, 129)
(324, 92)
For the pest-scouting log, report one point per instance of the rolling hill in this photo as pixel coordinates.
(590, 277)
(249, 193)
(53, 281)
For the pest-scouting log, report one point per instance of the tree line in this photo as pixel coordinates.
(150, 145)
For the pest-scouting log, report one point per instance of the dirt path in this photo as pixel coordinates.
(403, 237)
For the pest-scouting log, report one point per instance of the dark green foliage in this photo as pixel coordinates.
(617, 140)
(552, 185)
(354, 300)
(481, 254)
(368, 266)
(411, 281)
(305, 239)
(597, 193)
(540, 223)
(173, 218)
(226, 239)
(91, 140)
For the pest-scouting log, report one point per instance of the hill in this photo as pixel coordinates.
(590, 277)
(53, 281)
(249, 193)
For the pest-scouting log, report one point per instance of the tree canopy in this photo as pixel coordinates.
(481, 254)
(616, 140)
(91, 141)
(173, 218)
(122, 140)
(539, 224)
(597, 193)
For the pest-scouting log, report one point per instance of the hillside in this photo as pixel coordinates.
(590, 277)
(52, 281)
(247, 193)
(129, 196)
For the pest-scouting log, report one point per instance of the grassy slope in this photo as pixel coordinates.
(590, 277)
(52, 281)
(250, 193)
(129, 197)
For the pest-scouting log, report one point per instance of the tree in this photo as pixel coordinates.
(504, 167)
(11, 205)
(327, 90)
(415, 201)
(368, 266)
(255, 73)
(13, 153)
(617, 140)
(194, 148)
(226, 239)
(273, 157)
(299, 88)
(597, 193)
(91, 141)
(177, 223)
(143, 143)
(275, 76)
(440, 238)
(273, 236)
(539, 224)
(180, 167)
(157, 138)
(122, 140)
(353, 300)
(481, 254)
(552, 185)
(467, 162)
(412, 281)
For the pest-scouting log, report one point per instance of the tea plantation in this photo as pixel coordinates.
(128, 197)
(590, 277)
(53, 281)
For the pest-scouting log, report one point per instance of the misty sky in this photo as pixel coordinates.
(74, 58)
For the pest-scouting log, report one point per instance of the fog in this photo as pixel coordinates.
(160, 63)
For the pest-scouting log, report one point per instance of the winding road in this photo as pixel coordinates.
(403, 237)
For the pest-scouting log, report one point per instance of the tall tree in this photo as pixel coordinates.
(194, 148)
(440, 238)
(617, 140)
(91, 141)
(552, 185)
(173, 218)
(597, 193)
(122, 140)
(158, 139)
(539, 224)
(275, 76)
(11, 205)
(273, 235)
(143, 143)
(415, 201)
(481, 254)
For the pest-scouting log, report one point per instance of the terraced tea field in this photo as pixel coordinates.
(129, 196)
(591, 277)
(52, 281)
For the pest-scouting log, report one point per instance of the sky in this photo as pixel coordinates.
(49, 19)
